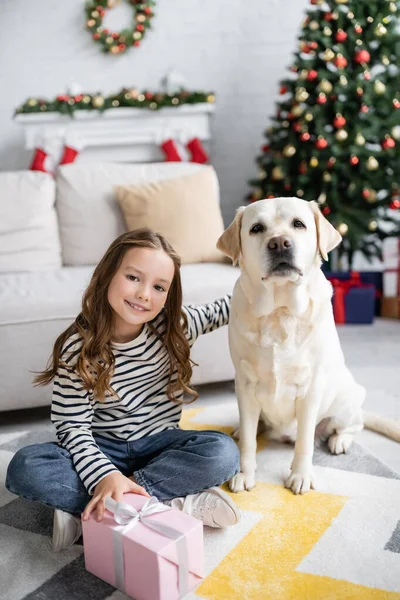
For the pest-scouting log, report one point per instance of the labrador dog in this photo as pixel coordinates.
(290, 370)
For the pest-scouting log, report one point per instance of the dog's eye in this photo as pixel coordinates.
(298, 224)
(257, 228)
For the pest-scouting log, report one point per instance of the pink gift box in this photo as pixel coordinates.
(149, 560)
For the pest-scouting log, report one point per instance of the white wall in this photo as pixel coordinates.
(238, 49)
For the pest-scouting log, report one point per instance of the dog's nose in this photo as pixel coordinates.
(279, 243)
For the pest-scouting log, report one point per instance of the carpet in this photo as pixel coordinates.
(339, 542)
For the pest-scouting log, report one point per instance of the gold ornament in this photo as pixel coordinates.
(114, 49)
(137, 35)
(360, 91)
(360, 139)
(370, 19)
(109, 40)
(372, 225)
(303, 74)
(153, 105)
(115, 103)
(396, 132)
(335, 16)
(86, 99)
(175, 101)
(95, 14)
(43, 107)
(359, 42)
(140, 18)
(71, 101)
(372, 163)
(308, 117)
(91, 23)
(285, 123)
(300, 193)
(372, 196)
(277, 173)
(141, 98)
(328, 55)
(327, 31)
(350, 15)
(313, 25)
(392, 7)
(262, 174)
(289, 151)
(314, 162)
(326, 86)
(385, 60)
(380, 30)
(341, 1)
(322, 198)
(134, 93)
(98, 101)
(326, 176)
(297, 110)
(211, 98)
(32, 102)
(379, 87)
(257, 194)
(343, 228)
(301, 94)
(341, 135)
(342, 80)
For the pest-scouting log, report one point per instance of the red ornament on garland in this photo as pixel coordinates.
(396, 103)
(321, 99)
(339, 122)
(364, 108)
(321, 143)
(311, 75)
(366, 193)
(341, 36)
(362, 56)
(265, 148)
(394, 204)
(305, 136)
(283, 90)
(388, 143)
(313, 45)
(328, 16)
(354, 160)
(358, 29)
(326, 210)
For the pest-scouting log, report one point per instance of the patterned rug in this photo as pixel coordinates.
(340, 542)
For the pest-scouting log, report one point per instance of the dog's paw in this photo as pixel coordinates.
(340, 443)
(241, 482)
(300, 483)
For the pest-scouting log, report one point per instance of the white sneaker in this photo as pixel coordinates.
(67, 529)
(213, 506)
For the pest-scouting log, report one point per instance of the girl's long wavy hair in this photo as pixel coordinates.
(94, 324)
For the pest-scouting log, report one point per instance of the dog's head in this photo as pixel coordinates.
(278, 239)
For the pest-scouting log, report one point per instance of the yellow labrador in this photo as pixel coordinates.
(290, 369)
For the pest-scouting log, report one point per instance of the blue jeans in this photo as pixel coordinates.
(169, 464)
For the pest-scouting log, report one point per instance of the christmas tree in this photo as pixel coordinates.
(335, 136)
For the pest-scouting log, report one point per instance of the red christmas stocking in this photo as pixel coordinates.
(69, 155)
(197, 151)
(171, 151)
(38, 159)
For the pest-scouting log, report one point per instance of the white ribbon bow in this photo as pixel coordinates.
(128, 517)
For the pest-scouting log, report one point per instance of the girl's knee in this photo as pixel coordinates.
(227, 456)
(26, 467)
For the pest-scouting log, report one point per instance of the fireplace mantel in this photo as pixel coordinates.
(117, 134)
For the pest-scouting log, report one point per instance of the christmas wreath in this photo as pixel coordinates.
(118, 41)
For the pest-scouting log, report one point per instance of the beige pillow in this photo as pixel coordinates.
(185, 210)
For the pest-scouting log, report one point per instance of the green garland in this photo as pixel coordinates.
(118, 41)
(68, 104)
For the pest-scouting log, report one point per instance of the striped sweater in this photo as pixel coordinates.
(140, 379)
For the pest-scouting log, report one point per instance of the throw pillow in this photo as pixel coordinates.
(185, 210)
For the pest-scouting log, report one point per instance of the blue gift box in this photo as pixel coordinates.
(359, 302)
(374, 277)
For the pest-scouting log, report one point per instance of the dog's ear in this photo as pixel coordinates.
(327, 236)
(229, 242)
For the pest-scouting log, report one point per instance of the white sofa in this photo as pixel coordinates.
(52, 233)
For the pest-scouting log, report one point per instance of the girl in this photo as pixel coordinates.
(120, 372)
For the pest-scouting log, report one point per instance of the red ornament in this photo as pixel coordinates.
(115, 35)
(140, 27)
(341, 36)
(388, 143)
(330, 163)
(326, 210)
(265, 148)
(394, 204)
(367, 75)
(297, 126)
(354, 160)
(147, 10)
(96, 36)
(78, 98)
(148, 95)
(339, 122)
(364, 108)
(136, 43)
(270, 196)
(396, 103)
(122, 47)
(283, 90)
(313, 74)
(321, 143)
(328, 16)
(305, 136)
(340, 62)
(358, 29)
(362, 56)
(313, 45)
(366, 193)
(321, 99)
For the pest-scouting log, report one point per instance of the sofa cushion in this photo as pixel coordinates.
(89, 215)
(184, 209)
(29, 239)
